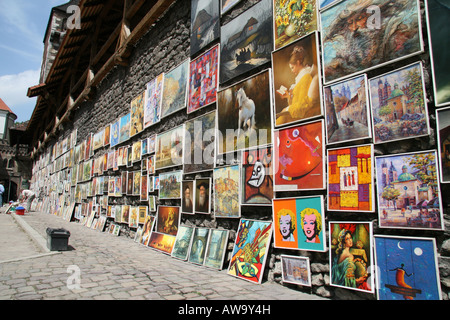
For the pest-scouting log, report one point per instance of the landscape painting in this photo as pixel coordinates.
(443, 133)
(124, 133)
(198, 246)
(183, 243)
(152, 101)
(216, 248)
(205, 23)
(175, 88)
(169, 148)
(246, 41)
(137, 115)
(115, 129)
(296, 270)
(226, 192)
(170, 185)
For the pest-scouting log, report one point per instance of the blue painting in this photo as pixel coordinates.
(115, 133)
(407, 268)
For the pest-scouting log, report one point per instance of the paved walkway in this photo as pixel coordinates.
(109, 267)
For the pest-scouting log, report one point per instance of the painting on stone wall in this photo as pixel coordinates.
(398, 103)
(249, 254)
(107, 135)
(137, 115)
(198, 246)
(351, 262)
(199, 143)
(299, 157)
(408, 191)
(169, 148)
(361, 35)
(98, 139)
(257, 177)
(243, 114)
(443, 134)
(170, 185)
(216, 248)
(205, 23)
(144, 188)
(226, 5)
(293, 20)
(136, 150)
(245, 41)
(350, 179)
(115, 131)
(202, 203)
(346, 107)
(299, 223)
(175, 88)
(187, 196)
(152, 101)
(226, 192)
(203, 80)
(438, 14)
(296, 270)
(133, 221)
(407, 268)
(183, 243)
(168, 220)
(296, 81)
(124, 133)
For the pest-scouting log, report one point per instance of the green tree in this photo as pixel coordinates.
(390, 194)
(425, 163)
(414, 79)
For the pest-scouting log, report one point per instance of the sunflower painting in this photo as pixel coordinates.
(293, 19)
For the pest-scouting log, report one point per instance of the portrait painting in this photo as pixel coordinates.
(257, 176)
(188, 196)
(359, 35)
(245, 42)
(407, 268)
(169, 148)
(242, 114)
(198, 246)
(351, 262)
(226, 192)
(137, 115)
(175, 88)
(168, 220)
(202, 203)
(346, 105)
(350, 179)
(398, 103)
(297, 81)
(408, 191)
(249, 254)
(299, 223)
(203, 80)
(216, 248)
(170, 185)
(293, 20)
(205, 23)
(299, 157)
(183, 243)
(443, 134)
(124, 133)
(152, 101)
(226, 5)
(115, 131)
(161, 242)
(296, 270)
(199, 143)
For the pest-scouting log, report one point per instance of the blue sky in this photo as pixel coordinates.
(22, 27)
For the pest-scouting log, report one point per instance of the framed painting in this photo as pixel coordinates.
(143, 212)
(351, 262)
(133, 221)
(203, 80)
(242, 114)
(137, 115)
(168, 220)
(151, 200)
(152, 101)
(438, 15)
(144, 145)
(407, 268)
(293, 20)
(98, 140)
(183, 243)
(202, 197)
(299, 157)
(175, 88)
(296, 270)
(443, 134)
(136, 151)
(408, 191)
(296, 81)
(198, 246)
(170, 185)
(350, 183)
(151, 144)
(188, 196)
(125, 122)
(169, 148)
(299, 223)
(199, 143)
(107, 135)
(205, 23)
(244, 41)
(346, 105)
(325, 3)
(137, 183)
(161, 242)
(226, 5)
(257, 177)
(125, 213)
(226, 192)
(216, 248)
(398, 102)
(144, 187)
(138, 235)
(249, 254)
(115, 131)
(352, 31)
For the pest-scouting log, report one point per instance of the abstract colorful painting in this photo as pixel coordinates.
(137, 115)
(169, 148)
(203, 80)
(216, 248)
(408, 191)
(296, 270)
(361, 35)
(299, 223)
(250, 250)
(407, 268)
(152, 101)
(351, 263)
(183, 243)
(175, 88)
(299, 157)
(198, 246)
(443, 133)
(226, 192)
(350, 179)
(205, 23)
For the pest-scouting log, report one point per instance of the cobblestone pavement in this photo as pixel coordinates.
(110, 268)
